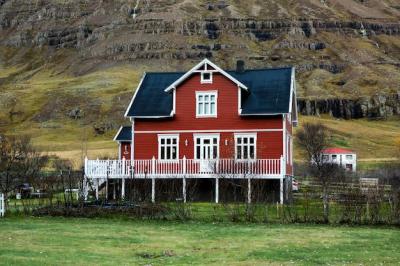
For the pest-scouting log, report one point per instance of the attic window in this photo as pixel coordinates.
(206, 77)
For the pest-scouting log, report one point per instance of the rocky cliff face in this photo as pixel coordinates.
(346, 52)
(380, 106)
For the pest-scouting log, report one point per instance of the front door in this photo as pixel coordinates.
(207, 152)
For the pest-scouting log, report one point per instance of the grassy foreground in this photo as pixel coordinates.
(51, 241)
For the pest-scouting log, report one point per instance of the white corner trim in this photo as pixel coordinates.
(292, 81)
(134, 95)
(205, 61)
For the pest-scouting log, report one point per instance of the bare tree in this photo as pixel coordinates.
(19, 162)
(313, 138)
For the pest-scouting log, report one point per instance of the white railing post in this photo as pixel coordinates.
(123, 166)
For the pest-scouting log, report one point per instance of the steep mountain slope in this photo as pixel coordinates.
(69, 67)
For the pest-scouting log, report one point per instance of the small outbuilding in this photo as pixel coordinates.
(343, 157)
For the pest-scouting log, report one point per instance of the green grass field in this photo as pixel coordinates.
(54, 241)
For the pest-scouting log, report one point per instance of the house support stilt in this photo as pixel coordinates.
(123, 189)
(249, 190)
(281, 190)
(97, 189)
(216, 190)
(153, 190)
(184, 189)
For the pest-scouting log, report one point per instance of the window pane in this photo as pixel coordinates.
(200, 98)
(162, 151)
(251, 140)
(200, 109)
(215, 149)
(162, 141)
(212, 111)
(252, 152)
(212, 99)
(173, 153)
(245, 152)
(239, 152)
(198, 141)
(245, 140)
(168, 156)
(173, 141)
(168, 141)
(197, 152)
(215, 140)
(239, 140)
(206, 98)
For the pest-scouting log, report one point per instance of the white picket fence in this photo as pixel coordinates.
(2, 205)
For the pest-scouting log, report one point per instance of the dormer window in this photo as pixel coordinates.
(206, 77)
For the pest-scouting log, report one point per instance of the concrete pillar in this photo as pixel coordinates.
(153, 190)
(216, 190)
(123, 189)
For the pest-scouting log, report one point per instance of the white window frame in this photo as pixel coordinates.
(246, 135)
(209, 94)
(205, 136)
(165, 137)
(206, 81)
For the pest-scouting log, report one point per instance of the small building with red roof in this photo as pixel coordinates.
(343, 157)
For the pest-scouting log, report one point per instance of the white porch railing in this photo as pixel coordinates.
(2, 205)
(185, 168)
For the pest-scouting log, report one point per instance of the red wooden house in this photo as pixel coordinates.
(206, 124)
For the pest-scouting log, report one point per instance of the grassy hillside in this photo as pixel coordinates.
(37, 100)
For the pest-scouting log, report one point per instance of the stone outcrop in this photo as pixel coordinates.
(379, 106)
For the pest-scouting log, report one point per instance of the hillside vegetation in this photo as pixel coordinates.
(69, 68)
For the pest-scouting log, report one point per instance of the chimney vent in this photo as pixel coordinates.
(240, 66)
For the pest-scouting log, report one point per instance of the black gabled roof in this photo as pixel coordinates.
(269, 93)
(124, 134)
(269, 90)
(151, 100)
